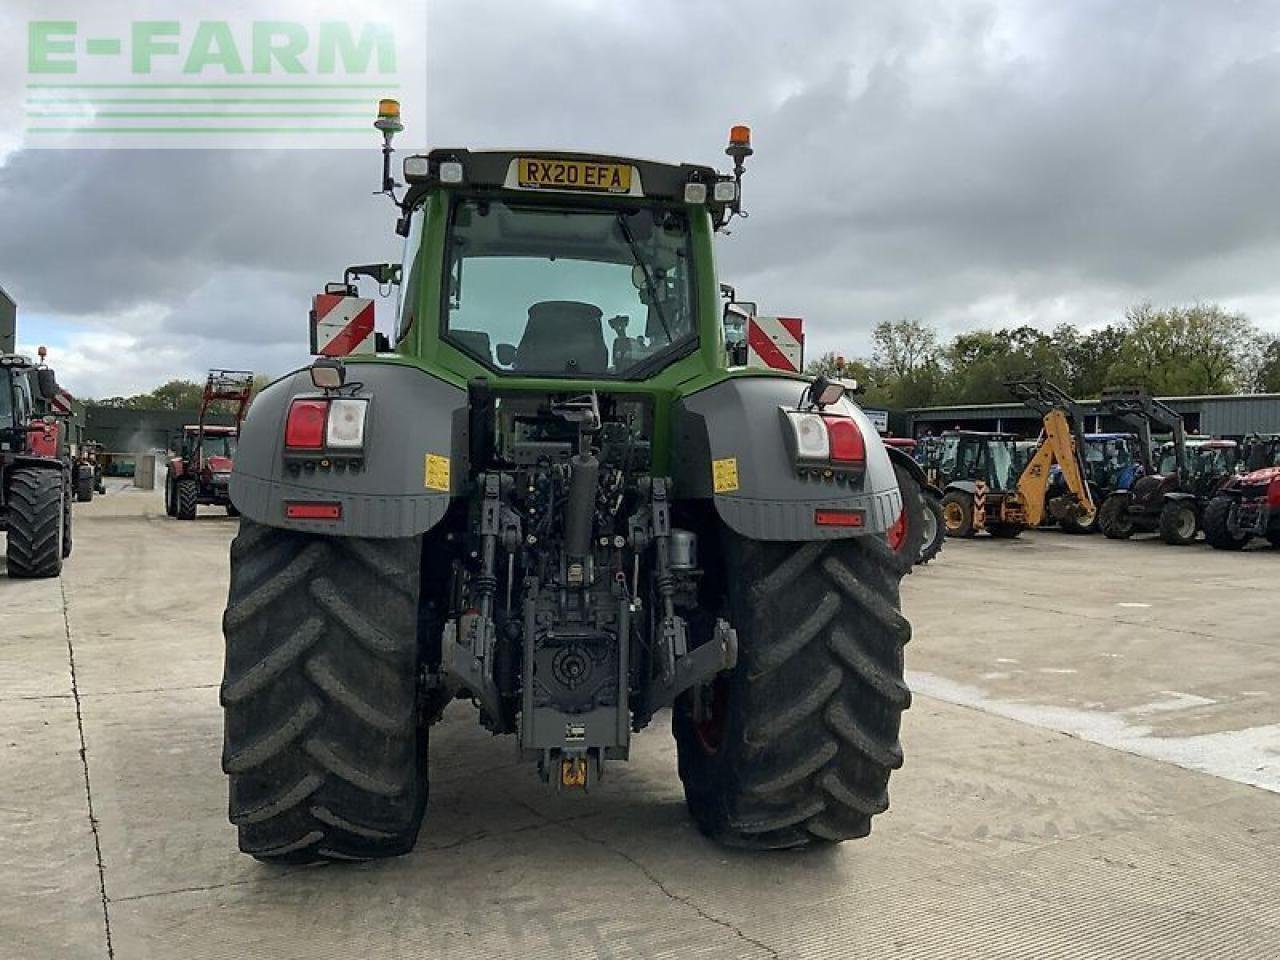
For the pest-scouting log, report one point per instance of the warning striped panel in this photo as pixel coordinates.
(341, 325)
(61, 403)
(776, 343)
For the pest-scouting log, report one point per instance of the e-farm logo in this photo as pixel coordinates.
(292, 76)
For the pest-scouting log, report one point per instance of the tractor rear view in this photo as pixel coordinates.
(35, 477)
(201, 472)
(557, 499)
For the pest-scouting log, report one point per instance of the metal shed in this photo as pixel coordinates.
(1232, 415)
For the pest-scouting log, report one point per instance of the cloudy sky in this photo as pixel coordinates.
(966, 163)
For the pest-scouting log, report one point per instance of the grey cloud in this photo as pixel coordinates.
(968, 163)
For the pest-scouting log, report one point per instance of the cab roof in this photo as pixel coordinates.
(493, 169)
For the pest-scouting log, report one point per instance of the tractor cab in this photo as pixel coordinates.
(970, 455)
(1209, 462)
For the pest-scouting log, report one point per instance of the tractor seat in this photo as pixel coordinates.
(475, 341)
(563, 336)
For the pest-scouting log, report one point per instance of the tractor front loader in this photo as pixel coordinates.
(556, 498)
(201, 472)
(1161, 499)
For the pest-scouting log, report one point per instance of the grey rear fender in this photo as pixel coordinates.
(734, 431)
(964, 486)
(399, 485)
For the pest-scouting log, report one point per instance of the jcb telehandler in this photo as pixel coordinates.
(555, 499)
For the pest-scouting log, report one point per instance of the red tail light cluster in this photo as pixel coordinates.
(326, 423)
(826, 439)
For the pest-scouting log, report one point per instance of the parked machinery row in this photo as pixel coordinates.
(1119, 483)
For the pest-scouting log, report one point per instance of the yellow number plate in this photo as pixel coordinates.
(573, 175)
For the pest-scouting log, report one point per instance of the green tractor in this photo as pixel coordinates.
(555, 498)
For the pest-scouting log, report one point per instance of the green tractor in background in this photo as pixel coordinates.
(555, 498)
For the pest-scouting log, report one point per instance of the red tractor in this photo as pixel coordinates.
(35, 476)
(199, 474)
(1248, 505)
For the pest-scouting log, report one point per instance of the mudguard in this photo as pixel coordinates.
(730, 446)
(1179, 495)
(966, 486)
(903, 459)
(409, 469)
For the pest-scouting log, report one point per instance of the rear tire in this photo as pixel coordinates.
(324, 742)
(935, 530)
(1217, 525)
(187, 498)
(1113, 518)
(1178, 523)
(84, 487)
(906, 537)
(806, 726)
(232, 511)
(1273, 538)
(170, 498)
(957, 514)
(66, 521)
(35, 522)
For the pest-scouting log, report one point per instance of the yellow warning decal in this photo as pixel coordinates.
(437, 477)
(724, 475)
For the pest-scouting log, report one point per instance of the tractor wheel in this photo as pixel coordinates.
(907, 535)
(957, 513)
(66, 525)
(35, 522)
(935, 530)
(1178, 523)
(796, 744)
(324, 746)
(170, 497)
(232, 510)
(186, 493)
(1113, 518)
(84, 487)
(1217, 525)
(1273, 538)
(1005, 531)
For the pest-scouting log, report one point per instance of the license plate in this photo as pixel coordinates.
(574, 175)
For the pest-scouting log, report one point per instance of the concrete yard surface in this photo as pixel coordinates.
(1093, 770)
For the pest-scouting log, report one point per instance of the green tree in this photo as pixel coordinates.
(1201, 349)
(1266, 372)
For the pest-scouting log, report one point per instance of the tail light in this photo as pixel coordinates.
(847, 445)
(305, 427)
(826, 439)
(1273, 494)
(346, 424)
(326, 424)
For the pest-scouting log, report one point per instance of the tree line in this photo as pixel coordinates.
(1171, 351)
(172, 395)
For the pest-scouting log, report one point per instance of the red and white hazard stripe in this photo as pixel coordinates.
(341, 325)
(61, 403)
(776, 342)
